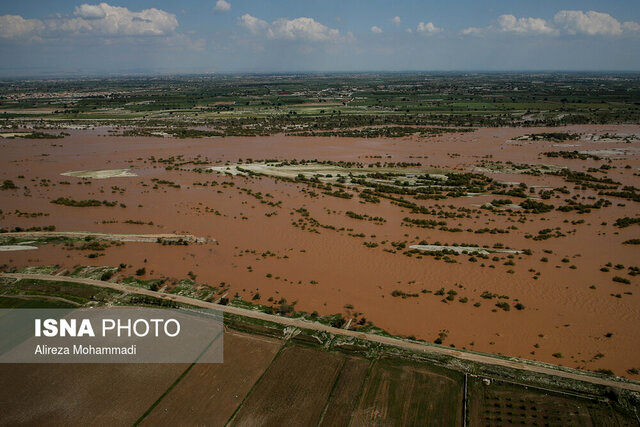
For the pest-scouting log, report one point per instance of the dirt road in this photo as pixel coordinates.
(143, 238)
(409, 345)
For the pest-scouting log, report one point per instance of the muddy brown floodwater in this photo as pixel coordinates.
(574, 314)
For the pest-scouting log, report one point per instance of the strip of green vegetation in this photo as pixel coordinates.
(103, 273)
(76, 292)
(8, 184)
(263, 104)
(39, 269)
(32, 302)
(151, 284)
(626, 222)
(65, 201)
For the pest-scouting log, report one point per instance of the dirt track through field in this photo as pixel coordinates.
(412, 346)
(143, 238)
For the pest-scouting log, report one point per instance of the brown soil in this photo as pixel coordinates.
(346, 392)
(406, 395)
(502, 403)
(301, 378)
(210, 393)
(88, 394)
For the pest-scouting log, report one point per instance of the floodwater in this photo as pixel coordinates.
(329, 271)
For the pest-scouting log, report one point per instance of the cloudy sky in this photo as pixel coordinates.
(64, 37)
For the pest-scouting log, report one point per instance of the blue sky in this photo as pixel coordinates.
(79, 37)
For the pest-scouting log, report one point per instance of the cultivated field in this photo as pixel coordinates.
(210, 393)
(346, 392)
(500, 403)
(269, 381)
(398, 393)
(293, 390)
(88, 394)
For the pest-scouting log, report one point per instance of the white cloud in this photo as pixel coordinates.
(253, 24)
(302, 28)
(574, 22)
(101, 21)
(222, 6)
(590, 23)
(16, 27)
(104, 19)
(376, 30)
(474, 31)
(90, 11)
(396, 20)
(630, 26)
(67, 26)
(514, 25)
(428, 28)
(511, 24)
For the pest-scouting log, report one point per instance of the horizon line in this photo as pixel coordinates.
(149, 74)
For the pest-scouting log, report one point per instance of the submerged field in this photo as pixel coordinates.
(517, 241)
